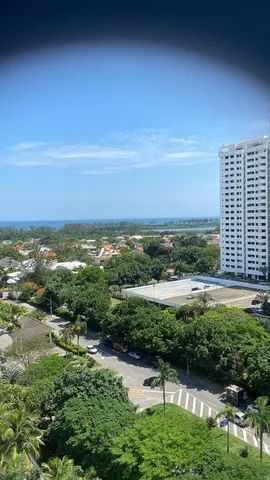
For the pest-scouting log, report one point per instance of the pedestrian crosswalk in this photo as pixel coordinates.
(143, 397)
(135, 392)
(189, 402)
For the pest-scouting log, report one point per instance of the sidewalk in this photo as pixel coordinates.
(5, 341)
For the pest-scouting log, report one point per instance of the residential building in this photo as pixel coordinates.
(244, 207)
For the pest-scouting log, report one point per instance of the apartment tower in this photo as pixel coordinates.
(245, 207)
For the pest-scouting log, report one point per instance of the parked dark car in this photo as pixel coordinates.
(148, 381)
(153, 361)
(106, 340)
(256, 301)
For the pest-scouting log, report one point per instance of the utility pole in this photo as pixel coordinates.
(51, 309)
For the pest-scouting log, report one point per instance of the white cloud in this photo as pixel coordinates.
(88, 151)
(192, 154)
(119, 152)
(21, 146)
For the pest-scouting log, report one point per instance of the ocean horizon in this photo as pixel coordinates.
(61, 222)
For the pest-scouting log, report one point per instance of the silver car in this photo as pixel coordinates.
(252, 408)
(240, 419)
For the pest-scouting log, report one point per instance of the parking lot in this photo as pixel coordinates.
(185, 291)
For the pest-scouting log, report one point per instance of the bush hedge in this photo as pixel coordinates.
(70, 347)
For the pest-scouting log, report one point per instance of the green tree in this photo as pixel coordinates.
(258, 368)
(61, 469)
(18, 469)
(204, 300)
(83, 429)
(79, 328)
(260, 419)
(46, 367)
(229, 413)
(92, 302)
(84, 383)
(132, 268)
(28, 350)
(263, 298)
(140, 324)
(54, 284)
(166, 374)
(10, 314)
(67, 334)
(158, 446)
(12, 394)
(19, 434)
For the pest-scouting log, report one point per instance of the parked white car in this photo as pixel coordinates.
(91, 349)
(134, 355)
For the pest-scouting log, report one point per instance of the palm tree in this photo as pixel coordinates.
(260, 420)
(211, 422)
(263, 299)
(61, 469)
(166, 374)
(79, 328)
(19, 435)
(229, 413)
(11, 372)
(265, 271)
(204, 299)
(67, 334)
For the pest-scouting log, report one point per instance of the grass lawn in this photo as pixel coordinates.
(221, 437)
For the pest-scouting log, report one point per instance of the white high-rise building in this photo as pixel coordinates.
(245, 207)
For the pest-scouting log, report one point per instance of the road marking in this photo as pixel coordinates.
(235, 430)
(135, 392)
(151, 390)
(186, 402)
(179, 397)
(244, 435)
(201, 409)
(194, 405)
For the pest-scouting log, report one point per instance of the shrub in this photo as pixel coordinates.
(63, 312)
(45, 367)
(244, 452)
(69, 346)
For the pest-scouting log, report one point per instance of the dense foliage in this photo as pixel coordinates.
(94, 432)
(225, 343)
(133, 268)
(46, 367)
(177, 445)
(84, 383)
(83, 428)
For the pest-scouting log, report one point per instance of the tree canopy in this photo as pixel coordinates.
(84, 383)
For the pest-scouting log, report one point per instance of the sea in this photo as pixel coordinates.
(144, 221)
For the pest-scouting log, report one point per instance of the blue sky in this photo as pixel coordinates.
(119, 131)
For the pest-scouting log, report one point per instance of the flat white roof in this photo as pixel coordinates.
(167, 290)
